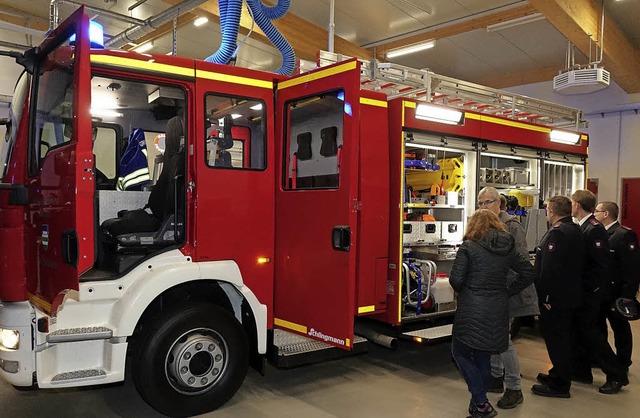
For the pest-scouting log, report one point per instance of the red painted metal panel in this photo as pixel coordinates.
(61, 194)
(12, 220)
(494, 128)
(233, 212)
(315, 284)
(373, 226)
(629, 203)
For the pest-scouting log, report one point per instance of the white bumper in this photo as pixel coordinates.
(17, 366)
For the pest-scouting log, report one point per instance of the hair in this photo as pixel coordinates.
(490, 190)
(560, 205)
(612, 208)
(586, 199)
(481, 222)
(503, 202)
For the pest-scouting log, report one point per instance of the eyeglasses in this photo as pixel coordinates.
(486, 202)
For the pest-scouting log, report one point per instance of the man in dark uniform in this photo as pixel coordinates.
(558, 266)
(590, 341)
(626, 275)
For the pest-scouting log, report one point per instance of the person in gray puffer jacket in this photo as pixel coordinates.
(481, 324)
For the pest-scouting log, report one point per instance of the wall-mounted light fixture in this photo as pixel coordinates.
(439, 114)
(515, 22)
(200, 21)
(410, 49)
(564, 137)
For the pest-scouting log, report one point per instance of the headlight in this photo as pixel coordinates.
(9, 338)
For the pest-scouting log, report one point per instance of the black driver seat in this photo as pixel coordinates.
(135, 228)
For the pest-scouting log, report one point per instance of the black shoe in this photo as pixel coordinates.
(586, 379)
(496, 385)
(610, 387)
(548, 391)
(624, 380)
(511, 399)
(543, 378)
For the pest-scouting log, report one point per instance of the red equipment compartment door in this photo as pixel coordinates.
(630, 199)
(317, 203)
(60, 234)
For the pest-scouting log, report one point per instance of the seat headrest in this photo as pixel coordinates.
(173, 135)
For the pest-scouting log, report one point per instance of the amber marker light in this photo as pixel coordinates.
(263, 260)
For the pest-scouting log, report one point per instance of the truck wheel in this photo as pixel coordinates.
(191, 360)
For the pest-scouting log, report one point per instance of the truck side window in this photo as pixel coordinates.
(313, 142)
(235, 133)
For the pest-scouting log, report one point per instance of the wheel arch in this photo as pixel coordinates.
(217, 282)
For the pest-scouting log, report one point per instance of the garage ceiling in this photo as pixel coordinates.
(464, 49)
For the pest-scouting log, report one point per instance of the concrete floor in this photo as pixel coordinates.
(413, 381)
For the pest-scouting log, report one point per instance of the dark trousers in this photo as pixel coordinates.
(555, 325)
(475, 366)
(591, 343)
(621, 333)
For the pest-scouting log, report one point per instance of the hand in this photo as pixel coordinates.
(547, 306)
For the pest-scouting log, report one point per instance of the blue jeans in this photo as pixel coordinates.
(475, 366)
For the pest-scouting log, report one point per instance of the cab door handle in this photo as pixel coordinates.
(341, 238)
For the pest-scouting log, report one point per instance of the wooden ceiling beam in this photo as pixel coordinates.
(456, 28)
(577, 20)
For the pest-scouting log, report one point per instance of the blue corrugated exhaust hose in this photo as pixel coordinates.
(263, 15)
(230, 11)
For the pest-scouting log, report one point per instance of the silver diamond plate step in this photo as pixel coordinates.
(431, 333)
(79, 334)
(89, 374)
(290, 344)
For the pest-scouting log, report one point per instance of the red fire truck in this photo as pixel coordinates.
(180, 218)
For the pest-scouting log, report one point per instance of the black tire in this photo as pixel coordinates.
(191, 360)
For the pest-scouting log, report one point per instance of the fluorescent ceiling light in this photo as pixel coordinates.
(411, 49)
(106, 113)
(439, 114)
(564, 137)
(256, 107)
(144, 47)
(200, 21)
(515, 22)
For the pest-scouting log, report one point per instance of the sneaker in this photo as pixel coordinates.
(496, 385)
(510, 399)
(486, 411)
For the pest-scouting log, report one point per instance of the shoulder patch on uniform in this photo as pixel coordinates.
(551, 246)
(593, 221)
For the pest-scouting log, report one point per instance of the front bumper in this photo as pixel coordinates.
(17, 365)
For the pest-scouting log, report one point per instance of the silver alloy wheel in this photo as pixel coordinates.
(196, 361)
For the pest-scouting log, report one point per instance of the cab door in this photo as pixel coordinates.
(60, 242)
(317, 203)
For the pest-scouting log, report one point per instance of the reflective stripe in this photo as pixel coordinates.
(139, 176)
(227, 78)
(506, 122)
(373, 102)
(317, 75)
(365, 309)
(150, 65)
(290, 325)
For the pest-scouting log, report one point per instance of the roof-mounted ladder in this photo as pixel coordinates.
(399, 81)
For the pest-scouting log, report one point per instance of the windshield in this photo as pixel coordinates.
(15, 113)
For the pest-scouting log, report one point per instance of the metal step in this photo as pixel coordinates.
(79, 375)
(291, 350)
(79, 334)
(430, 334)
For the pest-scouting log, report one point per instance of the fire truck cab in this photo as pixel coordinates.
(180, 213)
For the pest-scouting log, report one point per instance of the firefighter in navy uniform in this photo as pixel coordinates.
(626, 262)
(590, 342)
(558, 271)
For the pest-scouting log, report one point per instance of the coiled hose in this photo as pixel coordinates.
(230, 11)
(263, 16)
